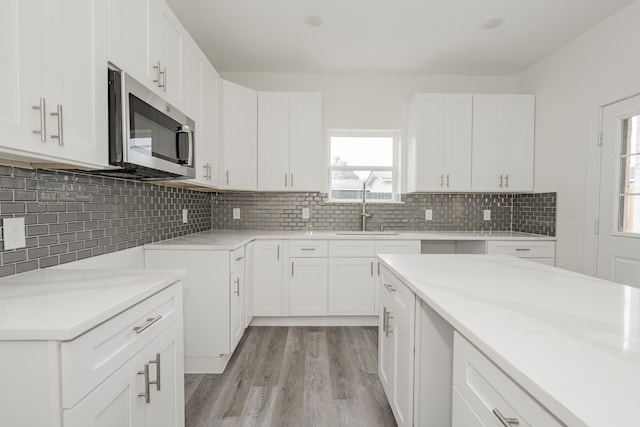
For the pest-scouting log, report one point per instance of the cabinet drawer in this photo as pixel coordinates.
(308, 248)
(522, 249)
(398, 247)
(403, 296)
(351, 248)
(236, 259)
(89, 359)
(488, 390)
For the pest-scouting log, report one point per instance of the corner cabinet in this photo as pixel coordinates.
(214, 315)
(439, 143)
(503, 141)
(54, 103)
(289, 141)
(239, 137)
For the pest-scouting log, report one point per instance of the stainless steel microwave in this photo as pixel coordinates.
(148, 138)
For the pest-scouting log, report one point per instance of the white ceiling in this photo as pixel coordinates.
(386, 36)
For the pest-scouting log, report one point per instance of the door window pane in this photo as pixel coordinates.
(629, 183)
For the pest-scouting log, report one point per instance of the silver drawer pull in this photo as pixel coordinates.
(523, 249)
(150, 321)
(157, 362)
(239, 258)
(506, 422)
(389, 287)
(147, 393)
(307, 249)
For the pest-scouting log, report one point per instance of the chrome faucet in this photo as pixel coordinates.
(364, 213)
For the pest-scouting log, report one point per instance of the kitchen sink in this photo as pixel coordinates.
(366, 233)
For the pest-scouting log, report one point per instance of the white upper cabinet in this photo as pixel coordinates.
(201, 104)
(503, 141)
(289, 141)
(239, 137)
(53, 106)
(439, 146)
(145, 40)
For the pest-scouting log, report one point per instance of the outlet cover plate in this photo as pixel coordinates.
(14, 234)
(236, 213)
(305, 213)
(428, 214)
(487, 214)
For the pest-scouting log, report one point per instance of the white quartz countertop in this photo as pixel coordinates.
(572, 341)
(231, 239)
(60, 305)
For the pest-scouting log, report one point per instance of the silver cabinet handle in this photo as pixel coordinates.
(378, 268)
(447, 180)
(43, 120)
(285, 179)
(389, 287)
(291, 180)
(60, 135)
(227, 177)
(150, 321)
(157, 80)
(384, 320)
(500, 181)
(506, 422)
(237, 282)
(441, 180)
(147, 391)
(371, 268)
(307, 249)
(164, 79)
(157, 363)
(278, 252)
(506, 180)
(291, 268)
(239, 258)
(523, 249)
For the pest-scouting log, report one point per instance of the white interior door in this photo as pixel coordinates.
(619, 216)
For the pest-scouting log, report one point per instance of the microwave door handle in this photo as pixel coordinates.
(184, 130)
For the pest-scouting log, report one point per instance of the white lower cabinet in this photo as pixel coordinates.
(490, 394)
(543, 252)
(351, 286)
(308, 287)
(390, 247)
(268, 266)
(396, 347)
(214, 292)
(463, 415)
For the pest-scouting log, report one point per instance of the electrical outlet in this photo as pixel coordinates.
(236, 213)
(14, 234)
(305, 213)
(487, 214)
(428, 214)
(185, 216)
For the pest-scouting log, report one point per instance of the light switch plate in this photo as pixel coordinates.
(236, 213)
(428, 214)
(14, 234)
(305, 213)
(487, 214)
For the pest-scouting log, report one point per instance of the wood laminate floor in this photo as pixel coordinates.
(294, 376)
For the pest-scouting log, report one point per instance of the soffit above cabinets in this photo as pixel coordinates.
(459, 37)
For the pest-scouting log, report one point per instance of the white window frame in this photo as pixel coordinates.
(395, 134)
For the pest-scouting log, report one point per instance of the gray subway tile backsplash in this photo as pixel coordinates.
(72, 216)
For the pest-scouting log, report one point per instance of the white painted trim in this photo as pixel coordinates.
(206, 365)
(316, 321)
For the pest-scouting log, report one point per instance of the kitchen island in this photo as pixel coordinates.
(570, 341)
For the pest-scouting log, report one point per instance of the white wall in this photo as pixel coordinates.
(571, 85)
(369, 101)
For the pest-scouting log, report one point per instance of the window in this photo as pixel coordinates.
(629, 195)
(363, 164)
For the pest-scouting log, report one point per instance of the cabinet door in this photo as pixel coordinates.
(462, 415)
(268, 278)
(165, 357)
(457, 142)
(250, 253)
(351, 286)
(239, 137)
(503, 142)
(386, 345)
(116, 402)
(236, 312)
(210, 127)
(402, 401)
(82, 127)
(166, 48)
(129, 39)
(305, 140)
(273, 141)
(308, 287)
